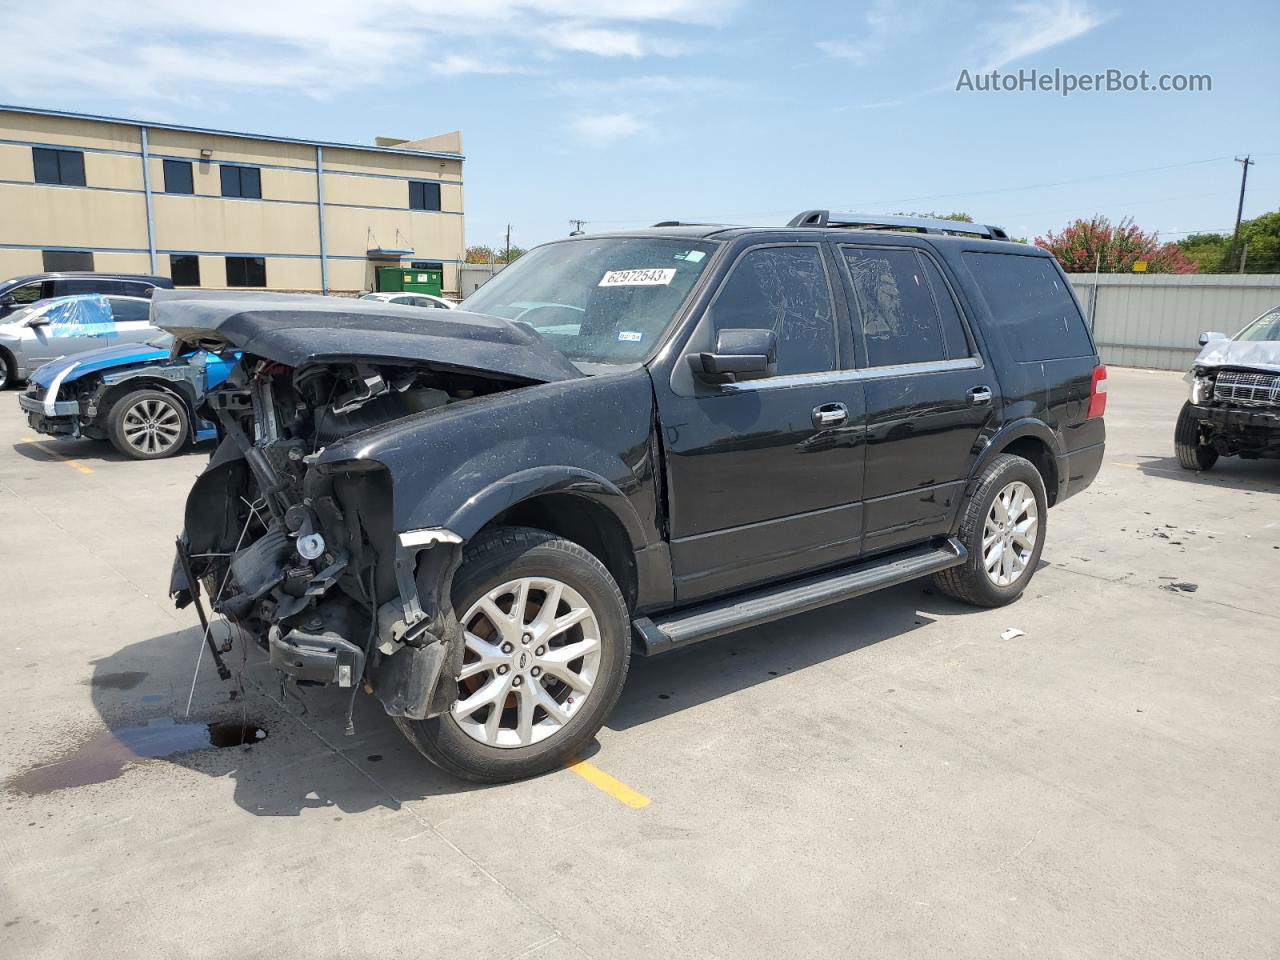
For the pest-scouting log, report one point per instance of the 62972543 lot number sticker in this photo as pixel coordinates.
(654, 277)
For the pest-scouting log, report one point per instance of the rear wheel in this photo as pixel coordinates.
(8, 373)
(1003, 529)
(148, 425)
(546, 650)
(1192, 454)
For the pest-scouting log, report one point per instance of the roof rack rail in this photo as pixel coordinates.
(864, 221)
(687, 223)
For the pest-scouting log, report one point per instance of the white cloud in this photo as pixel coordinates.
(1007, 32)
(1034, 27)
(156, 50)
(602, 129)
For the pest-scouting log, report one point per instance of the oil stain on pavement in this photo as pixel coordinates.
(106, 755)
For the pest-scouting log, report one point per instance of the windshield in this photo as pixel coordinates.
(604, 300)
(1266, 327)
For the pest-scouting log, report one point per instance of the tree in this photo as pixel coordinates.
(1113, 248)
(512, 254)
(1259, 245)
(961, 217)
(479, 253)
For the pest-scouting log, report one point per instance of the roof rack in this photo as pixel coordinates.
(863, 221)
(686, 223)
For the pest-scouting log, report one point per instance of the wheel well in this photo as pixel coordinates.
(126, 387)
(585, 522)
(1037, 451)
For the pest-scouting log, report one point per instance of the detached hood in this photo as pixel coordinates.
(301, 329)
(1255, 354)
(93, 361)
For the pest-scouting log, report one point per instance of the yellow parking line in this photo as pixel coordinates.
(73, 464)
(615, 788)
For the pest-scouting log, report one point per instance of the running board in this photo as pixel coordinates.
(684, 627)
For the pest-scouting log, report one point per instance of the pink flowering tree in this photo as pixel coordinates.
(1113, 247)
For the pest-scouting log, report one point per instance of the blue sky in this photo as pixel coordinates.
(742, 111)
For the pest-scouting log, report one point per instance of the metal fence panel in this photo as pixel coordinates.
(1156, 320)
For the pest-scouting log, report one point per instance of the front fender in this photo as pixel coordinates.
(463, 464)
(487, 503)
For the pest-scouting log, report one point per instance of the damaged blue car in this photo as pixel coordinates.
(137, 395)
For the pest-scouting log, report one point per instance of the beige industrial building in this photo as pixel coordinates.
(218, 209)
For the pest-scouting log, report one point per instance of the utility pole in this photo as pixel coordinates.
(506, 254)
(1244, 162)
(577, 227)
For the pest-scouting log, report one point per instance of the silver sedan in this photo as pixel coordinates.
(49, 329)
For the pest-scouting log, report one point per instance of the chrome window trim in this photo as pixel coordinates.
(861, 373)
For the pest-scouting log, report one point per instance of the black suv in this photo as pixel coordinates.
(23, 291)
(628, 443)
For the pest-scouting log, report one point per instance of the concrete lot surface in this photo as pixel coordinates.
(885, 778)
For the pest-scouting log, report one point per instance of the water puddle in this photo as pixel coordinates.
(105, 756)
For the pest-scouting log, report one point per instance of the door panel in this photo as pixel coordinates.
(921, 436)
(928, 395)
(765, 476)
(758, 491)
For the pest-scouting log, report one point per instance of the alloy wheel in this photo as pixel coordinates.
(1010, 533)
(532, 656)
(152, 426)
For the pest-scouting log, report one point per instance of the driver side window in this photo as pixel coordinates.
(783, 289)
(27, 293)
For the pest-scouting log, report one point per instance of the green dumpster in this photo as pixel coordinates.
(429, 279)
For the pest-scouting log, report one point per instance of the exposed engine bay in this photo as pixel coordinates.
(302, 556)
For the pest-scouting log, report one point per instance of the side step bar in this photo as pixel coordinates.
(683, 627)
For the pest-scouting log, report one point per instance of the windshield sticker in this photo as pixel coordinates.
(692, 256)
(655, 277)
(630, 336)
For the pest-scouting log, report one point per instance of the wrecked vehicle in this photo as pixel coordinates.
(134, 394)
(627, 442)
(1234, 406)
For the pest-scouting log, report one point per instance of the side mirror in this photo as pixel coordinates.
(1210, 335)
(7, 300)
(739, 355)
(40, 321)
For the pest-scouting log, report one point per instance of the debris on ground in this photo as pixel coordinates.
(1180, 586)
(1013, 633)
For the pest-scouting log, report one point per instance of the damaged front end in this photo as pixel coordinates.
(302, 556)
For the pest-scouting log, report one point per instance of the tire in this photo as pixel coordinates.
(1192, 454)
(8, 372)
(467, 745)
(971, 581)
(148, 425)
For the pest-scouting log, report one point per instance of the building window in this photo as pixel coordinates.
(246, 272)
(177, 177)
(65, 167)
(424, 196)
(241, 182)
(56, 261)
(184, 268)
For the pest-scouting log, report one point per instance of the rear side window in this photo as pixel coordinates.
(1032, 309)
(125, 310)
(74, 285)
(898, 304)
(783, 289)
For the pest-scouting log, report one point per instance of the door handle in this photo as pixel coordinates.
(979, 396)
(830, 415)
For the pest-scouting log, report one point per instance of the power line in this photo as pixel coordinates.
(944, 196)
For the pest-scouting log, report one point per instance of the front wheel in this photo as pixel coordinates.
(1192, 454)
(546, 650)
(148, 425)
(1003, 529)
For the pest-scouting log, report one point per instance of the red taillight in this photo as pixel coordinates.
(1098, 393)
